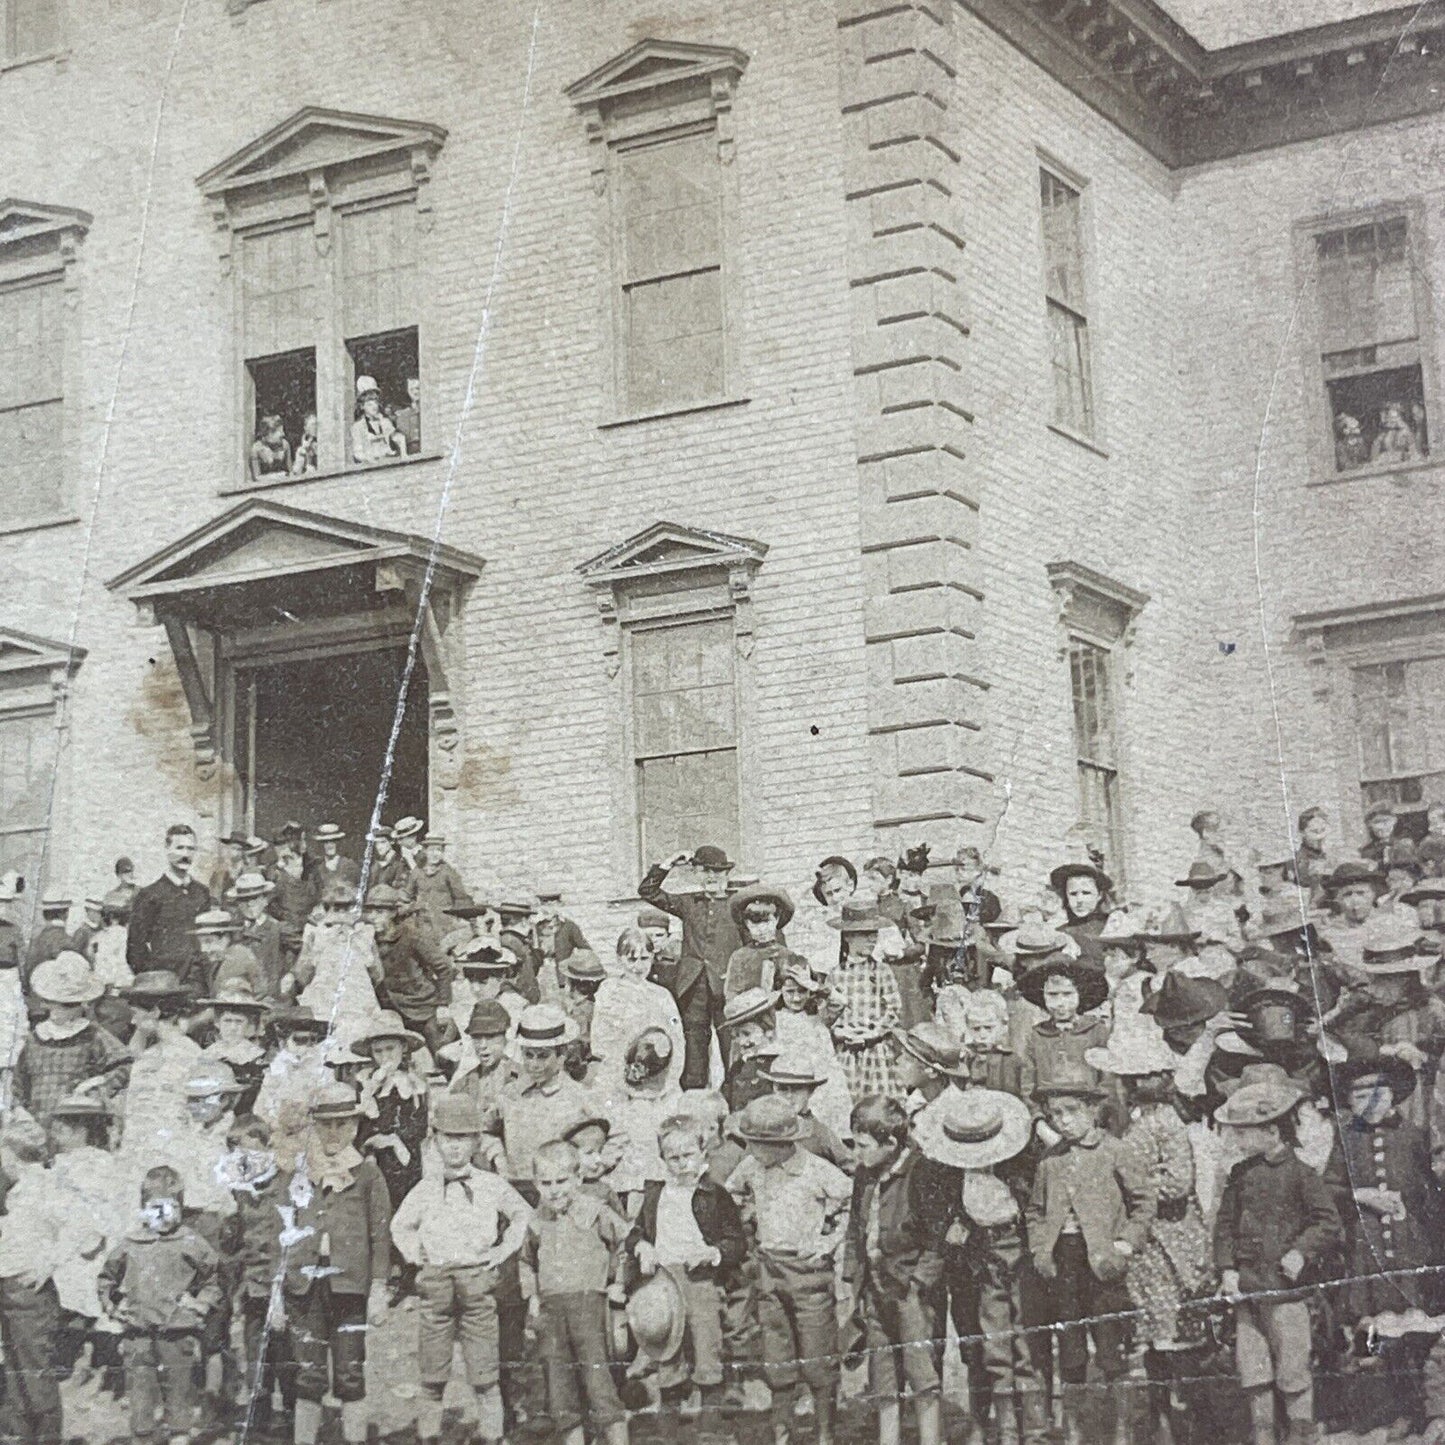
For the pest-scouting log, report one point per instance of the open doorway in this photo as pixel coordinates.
(312, 737)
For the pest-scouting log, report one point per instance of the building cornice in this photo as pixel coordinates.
(1186, 105)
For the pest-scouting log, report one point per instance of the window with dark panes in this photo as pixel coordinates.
(1370, 345)
(1400, 722)
(32, 401)
(279, 283)
(1096, 747)
(1066, 304)
(684, 736)
(32, 28)
(28, 755)
(672, 323)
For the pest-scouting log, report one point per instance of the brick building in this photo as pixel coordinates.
(841, 424)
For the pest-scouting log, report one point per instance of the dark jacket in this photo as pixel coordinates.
(147, 1274)
(356, 1222)
(718, 1222)
(159, 933)
(251, 1238)
(914, 1212)
(1098, 1183)
(263, 938)
(417, 971)
(1272, 1203)
(709, 936)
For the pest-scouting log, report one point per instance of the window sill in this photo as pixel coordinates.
(37, 524)
(1078, 438)
(356, 469)
(700, 406)
(1370, 474)
(20, 62)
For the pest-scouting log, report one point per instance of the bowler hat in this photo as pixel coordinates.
(972, 1128)
(769, 1120)
(489, 1020)
(153, 985)
(387, 1024)
(751, 1003)
(657, 1315)
(935, 1046)
(250, 885)
(1180, 1001)
(1059, 877)
(1354, 870)
(335, 1101)
(1397, 1075)
(712, 858)
(455, 1114)
(237, 995)
(66, 978)
(1091, 982)
(761, 893)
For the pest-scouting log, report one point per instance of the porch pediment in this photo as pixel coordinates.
(315, 139)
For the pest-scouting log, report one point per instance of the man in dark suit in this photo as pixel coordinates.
(164, 913)
(709, 937)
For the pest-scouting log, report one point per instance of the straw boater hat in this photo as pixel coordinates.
(1032, 941)
(250, 885)
(1354, 870)
(335, 1101)
(1273, 1074)
(211, 1076)
(66, 978)
(657, 1315)
(1393, 945)
(405, 829)
(768, 1120)
(935, 1046)
(761, 893)
(387, 1024)
(253, 847)
(751, 1003)
(214, 922)
(1395, 1074)
(237, 996)
(154, 985)
(1059, 877)
(433, 840)
(1203, 873)
(55, 902)
(1261, 1103)
(543, 1026)
(972, 1129)
(795, 1069)
(329, 833)
(1090, 981)
(1133, 1052)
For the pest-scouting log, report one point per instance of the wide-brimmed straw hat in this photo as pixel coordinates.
(1257, 1104)
(66, 978)
(405, 829)
(657, 1315)
(388, 1024)
(935, 1046)
(80, 1105)
(1168, 925)
(739, 903)
(794, 1069)
(972, 1128)
(1030, 942)
(751, 1003)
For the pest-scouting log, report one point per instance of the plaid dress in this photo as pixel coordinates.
(868, 997)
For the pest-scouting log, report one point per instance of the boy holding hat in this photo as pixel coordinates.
(1089, 1214)
(795, 1206)
(336, 1264)
(1275, 1219)
(450, 1228)
(748, 1042)
(66, 1050)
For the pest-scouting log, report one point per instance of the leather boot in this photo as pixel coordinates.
(1033, 1417)
(1071, 1399)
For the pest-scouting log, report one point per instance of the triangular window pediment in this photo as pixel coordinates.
(316, 139)
(22, 652)
(669, 548)
(27, 220)
(652, 64)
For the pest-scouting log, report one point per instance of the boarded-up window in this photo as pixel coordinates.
(1369, 344)
(1066, 305)
(32, 28)
(1097, 748)
(673, 350)
(1400, 722)
(684, 736)
(279, 279)
(378, 269)
(27, 767)
(32, 399)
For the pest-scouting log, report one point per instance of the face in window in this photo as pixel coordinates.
(1382, 826)
(413, 390)
(371, 405)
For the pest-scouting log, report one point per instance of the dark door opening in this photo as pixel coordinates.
(312, 738)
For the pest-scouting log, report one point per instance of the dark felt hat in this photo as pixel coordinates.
(1059, 877)
(1090, 981)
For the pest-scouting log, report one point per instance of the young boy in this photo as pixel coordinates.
(589, 1135)
(336, 1265)
(572, 1249)
(450, 1228)
(689, 1224)
(251, 1263)
(795, 1079)
(747, 1041)
(1275, 1219)
(760, 914)
(1088, 1215)
(896, 1225)
(796, 1205)
(160, 1284)
(237, 1013)
(481, 1070)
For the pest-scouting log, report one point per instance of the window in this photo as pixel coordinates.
(1066, 305)
(1400, 722)
(671, 276)
(32, 399)
(684, 729)
(32, 28)
(324, 221)
(660, 120)
(1370, 345)
(27, 769)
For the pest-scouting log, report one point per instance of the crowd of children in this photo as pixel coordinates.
(1122, 1172)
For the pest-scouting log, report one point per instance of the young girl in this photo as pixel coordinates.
(270, 452)
(799, 1028)
(649, 1094)
(237, 1014)
(871, 1006)
(305, 459)
(338, 967)
(626, 1005)
(761, 914)
(393, 1123)
(1086, 894)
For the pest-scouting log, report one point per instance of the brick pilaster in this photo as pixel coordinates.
(919, 490)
